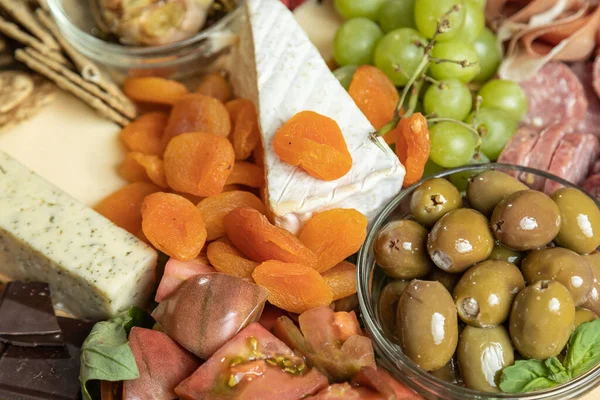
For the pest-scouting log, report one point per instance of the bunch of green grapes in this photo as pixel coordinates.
(393, 35)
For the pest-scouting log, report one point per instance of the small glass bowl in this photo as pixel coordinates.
(177, 60)
(372, 280)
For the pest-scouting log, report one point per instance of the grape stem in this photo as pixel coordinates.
(442, 25)
(470, 127)
(462, 63)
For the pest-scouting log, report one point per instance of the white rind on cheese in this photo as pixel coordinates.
(276, 66)
(94, 268)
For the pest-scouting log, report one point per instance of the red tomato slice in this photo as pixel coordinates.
(345, 391)
(176, 272)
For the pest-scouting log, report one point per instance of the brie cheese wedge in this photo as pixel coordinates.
(277, 67)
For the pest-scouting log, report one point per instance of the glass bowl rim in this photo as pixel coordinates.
(63, 20)
(389, 350)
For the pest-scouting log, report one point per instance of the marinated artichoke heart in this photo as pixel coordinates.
(154, 22)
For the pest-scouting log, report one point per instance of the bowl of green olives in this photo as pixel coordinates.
(489, 290)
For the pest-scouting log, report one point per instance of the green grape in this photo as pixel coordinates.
(490, 55)
(398, 54)
(455, 50)
(344, 75)
(474, 22)
(448, 99)
(358, 8)
(355, 41)
(428, 13)
(495, 127)
(461, 179)
(480, 3)
(394, 14)
(505, 95)
(431, 169)
(452, 145)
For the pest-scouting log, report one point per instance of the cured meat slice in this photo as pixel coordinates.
(591, 122)
(572, 159)
(541, 154)
(596, 74)
(592, 186)
(595, 168)
(554, 94)
(519, 146)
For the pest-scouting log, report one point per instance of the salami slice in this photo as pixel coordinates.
(554, 94)
(519, 146)
(592, 186)
(596, 75)
(572, 159)
(591, 122)
(595, 168)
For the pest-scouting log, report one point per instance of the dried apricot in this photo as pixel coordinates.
(412, 146)
(152, 89)
(225, 258)
(247, 174)
(144, 134)
(214, 209)
(190, 197)
(143, 167)
(173, 225)
(231, 188)
(315, 143)
(215, 85)
(375, 94)
(197, 113)
(253, 234)
(341, 279)
(334, 235)
(258, 155)
(292, 287)
(245, 134)
(124, 207)
(198, 163)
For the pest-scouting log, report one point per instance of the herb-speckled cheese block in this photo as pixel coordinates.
(94, 268)
(280, 70)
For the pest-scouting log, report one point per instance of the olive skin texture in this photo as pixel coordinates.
(486, 190)
(561, 265)
(580, 227)
(541, 319)
(582, 316)
(481, 355)
(434, 198)
(503, 253)
(427, 324)
(593, 301)
(388, 304)
(485, 293)
(448, 280)
(460, 239)
(401, 250)
(526, 220)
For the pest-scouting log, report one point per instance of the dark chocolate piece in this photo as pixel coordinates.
(26, 309)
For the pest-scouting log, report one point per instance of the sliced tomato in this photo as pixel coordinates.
(270, 315)
(346, 391)
(162, 363)
(176, 272)
(380, 380)
(245, 369)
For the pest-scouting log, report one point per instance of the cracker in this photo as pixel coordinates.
(72, 88)
(15, 87)
(43, 93)
(86, 67)
(22, 14)
(79, 81)
(13, 31)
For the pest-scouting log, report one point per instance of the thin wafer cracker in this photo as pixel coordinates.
(15, 87)
(22, 14)
(43, 94)
(13, 31)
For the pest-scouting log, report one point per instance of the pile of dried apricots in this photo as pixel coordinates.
(195, 163)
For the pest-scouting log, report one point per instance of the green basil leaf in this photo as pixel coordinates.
(105, 353)
(583, 351)
(525, 376)
(558, 372)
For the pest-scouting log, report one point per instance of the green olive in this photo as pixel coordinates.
(580, 228)
(488, 188)
(481, 355)
(526, 220)
(460, 239)
(593, 301)
(427, 324)
(388, 304)
(485, 293)
(541, 319)
(562, 265)
(401, 250)
(503, 253)
(449, 372)
(583, 315)
(434, 198)
(448, 280)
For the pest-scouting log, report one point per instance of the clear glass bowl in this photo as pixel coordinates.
(372, 280)
(178, 60)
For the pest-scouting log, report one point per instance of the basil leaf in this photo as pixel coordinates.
(583, 351)
(525, 376)
(105, 353)
(558, 373)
